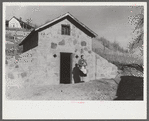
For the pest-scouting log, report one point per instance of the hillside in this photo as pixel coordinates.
(96, 44)
(116, 57)
(13, 37)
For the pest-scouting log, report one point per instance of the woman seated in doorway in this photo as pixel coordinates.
(82, 65)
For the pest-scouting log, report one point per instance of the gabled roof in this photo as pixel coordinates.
(69, 17)
(21, 21)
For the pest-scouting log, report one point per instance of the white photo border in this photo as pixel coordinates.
(72, 109)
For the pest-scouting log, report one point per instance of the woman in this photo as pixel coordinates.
(82, 65)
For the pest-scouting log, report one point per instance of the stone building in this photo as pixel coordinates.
(51, 51)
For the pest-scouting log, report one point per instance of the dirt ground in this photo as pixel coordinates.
(93, 90)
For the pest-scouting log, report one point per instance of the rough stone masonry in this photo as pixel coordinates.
(38, 66)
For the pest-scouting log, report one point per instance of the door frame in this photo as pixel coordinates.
(70, 66)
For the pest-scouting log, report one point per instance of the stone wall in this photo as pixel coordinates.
(51, 42)
(104, 69)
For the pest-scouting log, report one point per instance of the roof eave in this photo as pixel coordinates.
(24, 39)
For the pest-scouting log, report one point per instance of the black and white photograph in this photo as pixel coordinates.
(75, 52)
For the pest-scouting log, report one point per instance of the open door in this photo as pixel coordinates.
(65, 68)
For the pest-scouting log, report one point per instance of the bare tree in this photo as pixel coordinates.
(116, 46)
(138, 21)
(29, 21)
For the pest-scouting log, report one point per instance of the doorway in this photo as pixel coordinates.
(65, 68)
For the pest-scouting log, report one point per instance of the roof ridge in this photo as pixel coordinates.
(64, 15)
(53, 20)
